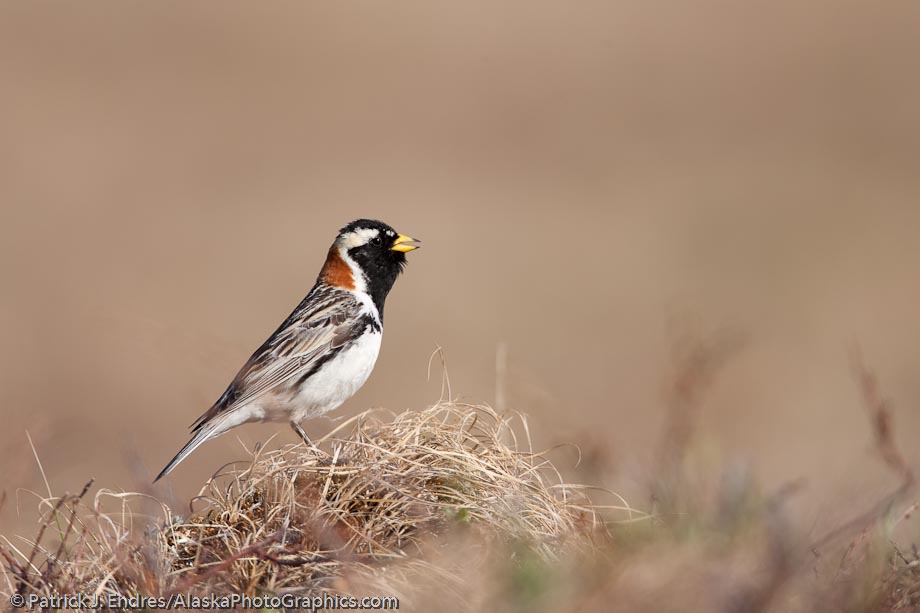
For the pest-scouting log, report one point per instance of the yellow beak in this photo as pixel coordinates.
(402, 243)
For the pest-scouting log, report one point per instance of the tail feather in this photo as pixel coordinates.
(202, 433)
(189, 447)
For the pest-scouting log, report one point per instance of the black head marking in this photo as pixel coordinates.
(379, 262)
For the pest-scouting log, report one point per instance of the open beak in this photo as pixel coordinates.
(404, 244)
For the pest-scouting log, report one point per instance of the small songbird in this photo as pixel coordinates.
(325, 350)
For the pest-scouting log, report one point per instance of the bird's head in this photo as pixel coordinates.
(367, 255)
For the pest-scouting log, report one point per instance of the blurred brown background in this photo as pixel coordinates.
(581, 174)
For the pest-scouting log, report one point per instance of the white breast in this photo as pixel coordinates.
(338, 379)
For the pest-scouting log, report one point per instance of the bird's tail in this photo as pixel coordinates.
(204, 432)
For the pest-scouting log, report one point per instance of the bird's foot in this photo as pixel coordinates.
(306, 439)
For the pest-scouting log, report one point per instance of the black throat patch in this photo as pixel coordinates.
(380, 268)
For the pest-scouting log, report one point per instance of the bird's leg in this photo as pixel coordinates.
(303, 435)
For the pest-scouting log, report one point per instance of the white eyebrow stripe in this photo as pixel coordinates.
(356, 238)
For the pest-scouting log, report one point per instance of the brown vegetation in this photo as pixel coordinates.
(450, 508)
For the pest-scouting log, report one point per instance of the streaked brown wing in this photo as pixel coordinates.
(322, 323)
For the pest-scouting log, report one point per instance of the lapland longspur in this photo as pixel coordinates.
(325, 350)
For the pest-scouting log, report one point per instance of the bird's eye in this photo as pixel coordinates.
(377, 240)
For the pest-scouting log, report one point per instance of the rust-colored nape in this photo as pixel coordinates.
(336, 272)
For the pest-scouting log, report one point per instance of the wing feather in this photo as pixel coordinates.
(327, 319)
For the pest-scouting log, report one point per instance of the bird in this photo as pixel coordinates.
(326, 348)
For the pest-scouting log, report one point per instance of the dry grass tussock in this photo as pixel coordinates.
(373, 514)
(450, 509)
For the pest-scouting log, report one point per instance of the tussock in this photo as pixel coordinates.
(450, 509)
(368, 514)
